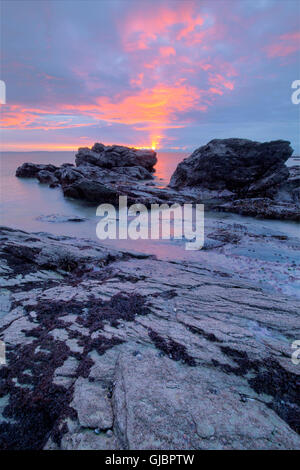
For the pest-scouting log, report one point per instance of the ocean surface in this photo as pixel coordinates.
(259, 258)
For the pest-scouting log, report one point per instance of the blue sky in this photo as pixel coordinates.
(167, 74)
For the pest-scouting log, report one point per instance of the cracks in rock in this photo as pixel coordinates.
(199, 331)
(38, 409)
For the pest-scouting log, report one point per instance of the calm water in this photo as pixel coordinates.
(23, 201)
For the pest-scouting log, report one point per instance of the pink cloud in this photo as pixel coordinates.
(167, 51)
(285, 45)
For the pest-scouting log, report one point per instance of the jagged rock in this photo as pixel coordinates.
(30, 170)
(90, 191)
(164, 354)
(238, 165)
(289, 191)
(45, 176)
(116, 156)
(67, 175)
(221, 173)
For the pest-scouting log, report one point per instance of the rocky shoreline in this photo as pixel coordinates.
(116, 350)
(229, 175)
(110, 349)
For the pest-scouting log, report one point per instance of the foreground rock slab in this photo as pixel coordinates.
(115, 350)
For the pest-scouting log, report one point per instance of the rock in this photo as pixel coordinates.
(201, 362)
(67, 175)
(30, 170)
(242, 176)
(234, 175)
(92, 405)
(263, 208)
(45, 176)
(57, 218)
(90, 191)
(289, 191)
(116, 156)
(238, 165)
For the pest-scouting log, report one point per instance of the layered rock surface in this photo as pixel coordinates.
(113, 350)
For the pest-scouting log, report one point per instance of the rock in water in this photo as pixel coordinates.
(30, 170)
(112, 156)
(102, 173)
(238, 165)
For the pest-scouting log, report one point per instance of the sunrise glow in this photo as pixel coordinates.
(131, 73)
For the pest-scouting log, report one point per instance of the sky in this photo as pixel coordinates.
(162, 74)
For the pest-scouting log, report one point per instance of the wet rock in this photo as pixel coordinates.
(202, 361)
(91, 191)
(30, 170)
(290, 190)
(48, 177)
(263, 208)
(59, 218)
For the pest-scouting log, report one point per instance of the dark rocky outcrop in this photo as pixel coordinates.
(100, 175)
(239, 175)
(234, 175)
(112, 156)
(30, 170)
(238, 165)
(91, 191)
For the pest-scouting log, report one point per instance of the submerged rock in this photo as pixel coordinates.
(58, 218)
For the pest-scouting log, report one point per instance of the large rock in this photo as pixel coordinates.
(101, 174)
(30, 170)
(116, 156)
(238, 165)
(91, 191)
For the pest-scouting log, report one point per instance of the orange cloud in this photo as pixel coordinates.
(157, 105)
